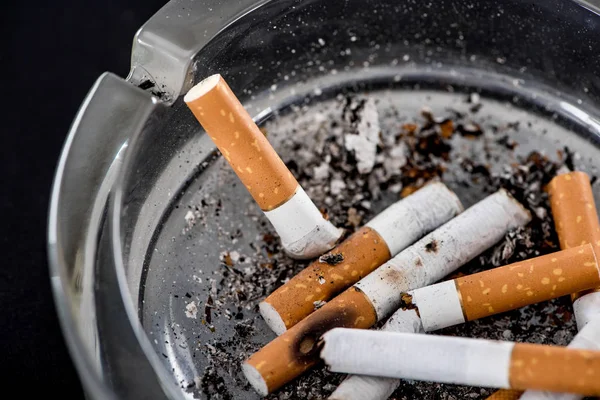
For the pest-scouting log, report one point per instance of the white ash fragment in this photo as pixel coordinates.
(363, 137)
(190, 218)
(191, 310)
(198, 381)
(322, 280)
(395, 188)
(211, 348)
(235, 256)
(321, 172)
(318, 304)
(320, 117)
(364, 151)
(541, 212)
(336, 187)
(396, 159)
(354, 218)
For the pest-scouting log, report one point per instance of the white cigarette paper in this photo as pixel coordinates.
(472, 362)
(303, 231)
(407, 220)
(444, 250)
(588, 338)
(586, 308)
(363, 387)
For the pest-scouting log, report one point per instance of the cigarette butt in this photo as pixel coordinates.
(293, 301)
(574, 210)
(506, 288)
(429, 259)
(588, 338)
(391, 231)
(301, 226)
(527, 282)
(463, 361)
(556, 369)
(295, 351)
(576, 223)
(442, 251)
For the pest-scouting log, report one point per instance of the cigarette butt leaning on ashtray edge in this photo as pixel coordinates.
(391, 231)
(374, 297)
(576, 222)
(463, 361)
(483, 294)
(303, 230)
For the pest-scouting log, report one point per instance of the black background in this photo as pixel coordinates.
(51, 54)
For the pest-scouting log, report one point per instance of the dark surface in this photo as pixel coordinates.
(52, 52)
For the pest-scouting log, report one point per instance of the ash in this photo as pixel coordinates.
(355, 157)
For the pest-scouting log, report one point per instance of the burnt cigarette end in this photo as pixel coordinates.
(432, 247)
(332, 258)
(306, 345)
(304, 348)
(406, 303)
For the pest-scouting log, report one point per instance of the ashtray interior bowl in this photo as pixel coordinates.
(175, 255)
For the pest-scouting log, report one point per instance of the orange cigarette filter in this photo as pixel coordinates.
(574, 210)
(303, 230)
(555, 369)
(296, 351)
(242, 143)
(575, 218)
(576, 222)
(528, 282)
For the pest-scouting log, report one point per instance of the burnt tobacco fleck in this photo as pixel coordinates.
(432, 247)
(146, 84)
(207, 309)
(332, 258)
(406, 303)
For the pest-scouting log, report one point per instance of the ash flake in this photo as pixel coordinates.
(191, 310)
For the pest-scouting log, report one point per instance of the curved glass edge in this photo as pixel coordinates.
(164, 47)
(87, 161)
(591, 5)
